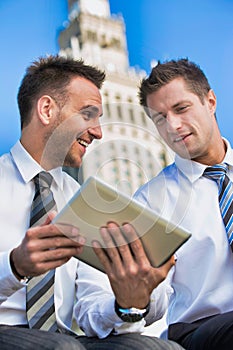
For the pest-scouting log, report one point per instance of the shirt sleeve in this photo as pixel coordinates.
(158, 302)
(94, 310)
(9, 284)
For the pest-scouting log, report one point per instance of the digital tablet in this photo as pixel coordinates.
(97, 203)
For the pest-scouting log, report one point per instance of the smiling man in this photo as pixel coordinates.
(181, 103)
(43, 288)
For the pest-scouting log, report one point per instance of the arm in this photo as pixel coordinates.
(131, 276)
(130, 280)
(42, 248)
(94, 310)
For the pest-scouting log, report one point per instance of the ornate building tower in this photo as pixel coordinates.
(131, 151)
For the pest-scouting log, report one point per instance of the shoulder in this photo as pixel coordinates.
(159, 189)
(165, 175)
(6, 164)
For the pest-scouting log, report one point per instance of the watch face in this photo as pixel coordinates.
(131, 317)
(131, 314)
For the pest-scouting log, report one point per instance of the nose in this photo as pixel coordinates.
(95, 132)
(173, 122)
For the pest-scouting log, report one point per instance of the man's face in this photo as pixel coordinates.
(186, 124)
(76, 124)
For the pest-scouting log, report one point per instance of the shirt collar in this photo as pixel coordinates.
(29, 168)
(229, 155)
(193, 170)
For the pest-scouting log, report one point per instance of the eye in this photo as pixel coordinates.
(159, 120)
(87, 114)
(181, 109)
(90, 112)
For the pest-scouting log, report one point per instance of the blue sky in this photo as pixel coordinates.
(201, 30)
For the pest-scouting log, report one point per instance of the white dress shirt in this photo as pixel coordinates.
(94, 306)
(202, 279)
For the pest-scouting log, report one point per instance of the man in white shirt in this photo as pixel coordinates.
(60, 106)
(179, 100)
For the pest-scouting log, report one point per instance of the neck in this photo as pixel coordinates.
(36, 149)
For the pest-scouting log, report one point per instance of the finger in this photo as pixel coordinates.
(51, 230)
(102, 255)
(50, 217)
(168, 265)
(135, 244)
(162, 271)
(110, 247)
(130, 233)
(71, 232)
(57, 254)
(116, 234)
(41, 267)
(37, 262)
(108, 235)
(52, 243)
(124, 249)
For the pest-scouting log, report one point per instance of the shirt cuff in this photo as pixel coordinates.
(9, 284)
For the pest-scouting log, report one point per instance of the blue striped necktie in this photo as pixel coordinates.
(40, 289)
(225, 195)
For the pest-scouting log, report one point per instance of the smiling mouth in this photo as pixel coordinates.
(181, 138)
(178, 139)
(82, 142)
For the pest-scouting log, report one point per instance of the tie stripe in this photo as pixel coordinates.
(218, 173)
(40, 289)
(34, 289)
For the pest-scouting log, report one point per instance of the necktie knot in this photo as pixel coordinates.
(43, 179)
(43, 200)
(216, 172)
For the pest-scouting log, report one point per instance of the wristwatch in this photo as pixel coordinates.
(131, 314)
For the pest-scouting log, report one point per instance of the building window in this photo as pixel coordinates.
(131, 114)
(107, 111)
(91, 35)
(119, 112)
(143, 118)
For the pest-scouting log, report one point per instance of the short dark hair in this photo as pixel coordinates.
(164, 73)
(51, 75)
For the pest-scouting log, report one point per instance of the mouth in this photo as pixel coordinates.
(83, 142)
(181, 138)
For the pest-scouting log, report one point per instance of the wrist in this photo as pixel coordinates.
(131, 314)
(19, 277)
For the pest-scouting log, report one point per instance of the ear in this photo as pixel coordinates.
(212, 101)
(45, 109)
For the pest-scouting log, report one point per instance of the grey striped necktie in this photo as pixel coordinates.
(225, 195)
(40, 289)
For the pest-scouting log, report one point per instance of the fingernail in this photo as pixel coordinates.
(75, 230)
(81, 239)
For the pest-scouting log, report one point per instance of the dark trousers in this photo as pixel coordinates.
(12, 338)
(211, 333)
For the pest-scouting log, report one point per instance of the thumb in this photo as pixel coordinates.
(50, 217)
